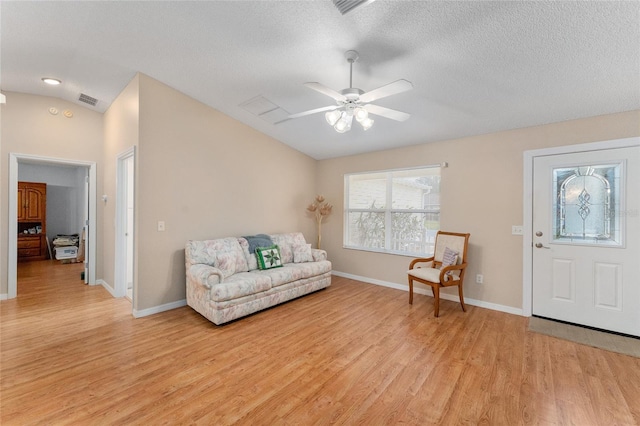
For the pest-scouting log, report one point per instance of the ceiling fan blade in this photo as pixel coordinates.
(309, 112)
(387, 112)
(326, 91)
(396, 87)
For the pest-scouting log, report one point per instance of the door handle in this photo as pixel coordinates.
(539, 245)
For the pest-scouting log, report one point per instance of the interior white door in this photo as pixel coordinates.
(129, 185)
(125, 213)
(586, 242)
(85, 229)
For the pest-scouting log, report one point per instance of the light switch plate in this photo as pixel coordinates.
(516, 230)
(160, 225)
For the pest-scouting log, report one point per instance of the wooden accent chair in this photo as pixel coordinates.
(434, 274)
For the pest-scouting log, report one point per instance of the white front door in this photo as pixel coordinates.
(586, 242)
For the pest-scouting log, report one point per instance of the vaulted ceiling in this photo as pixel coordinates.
(476, 66)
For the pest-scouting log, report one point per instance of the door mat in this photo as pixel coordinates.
(586, 336)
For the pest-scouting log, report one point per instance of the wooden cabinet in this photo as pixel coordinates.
(30, 247)
(32, 221)
(32, 199)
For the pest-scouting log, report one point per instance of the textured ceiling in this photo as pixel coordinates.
(477, 67)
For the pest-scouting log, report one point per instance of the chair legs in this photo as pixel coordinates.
(410, 290)
(436, 296)
(464, 308)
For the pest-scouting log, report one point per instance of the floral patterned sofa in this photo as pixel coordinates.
(225, 283)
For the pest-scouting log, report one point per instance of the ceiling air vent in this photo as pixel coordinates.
(87, 99)
(265, 109)
(346, 6)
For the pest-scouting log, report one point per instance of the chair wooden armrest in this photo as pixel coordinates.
(443, 272)
(420, 260)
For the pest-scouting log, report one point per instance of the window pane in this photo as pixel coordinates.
(366, 229)
(414, 232)
(368, 191)
(416, 189)
(395, 211)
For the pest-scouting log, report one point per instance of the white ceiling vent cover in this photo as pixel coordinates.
(346, 6)
(87, 99)
(265, 109)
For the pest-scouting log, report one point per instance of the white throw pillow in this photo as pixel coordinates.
(302, 253)
(449, 257)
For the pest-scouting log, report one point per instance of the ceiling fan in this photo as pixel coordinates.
(353, 102)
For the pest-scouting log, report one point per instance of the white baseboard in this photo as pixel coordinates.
(4, 296)
(148, 311)
(427, 292)
(104, 284)
(158, 309)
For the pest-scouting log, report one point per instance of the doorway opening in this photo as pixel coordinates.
(88, 189)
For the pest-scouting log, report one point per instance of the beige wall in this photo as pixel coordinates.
(203, 173)
(121, 123)
(207, 176)
(29, 128)
(481, 194)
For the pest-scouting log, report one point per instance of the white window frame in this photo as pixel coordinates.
(388, 211)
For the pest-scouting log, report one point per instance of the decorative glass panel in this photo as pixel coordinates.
(586, 200)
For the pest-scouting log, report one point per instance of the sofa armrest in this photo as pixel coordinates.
(204, 275)
(318, 255)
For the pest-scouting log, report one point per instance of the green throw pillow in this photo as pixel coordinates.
(268, 257)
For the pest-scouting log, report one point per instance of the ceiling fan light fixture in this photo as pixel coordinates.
(361, 114)
(367, 123)
(344, 124)
(332, 117)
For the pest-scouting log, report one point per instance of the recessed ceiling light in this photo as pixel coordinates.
(51, 81)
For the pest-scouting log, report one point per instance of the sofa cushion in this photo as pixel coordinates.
(302, 253)
(311, 269)
(284, 275)
(286, 243)
(221, 251)
(269, 257)
(240, 285)
(225, 261)
(250, 257)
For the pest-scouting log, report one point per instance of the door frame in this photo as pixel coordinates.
(120, 273)
(12, 265)
(527, 205)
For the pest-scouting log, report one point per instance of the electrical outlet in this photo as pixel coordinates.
(516, 230)
(479, 279)
(160, 225)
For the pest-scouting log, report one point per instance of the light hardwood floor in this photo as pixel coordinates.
(354, 353)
